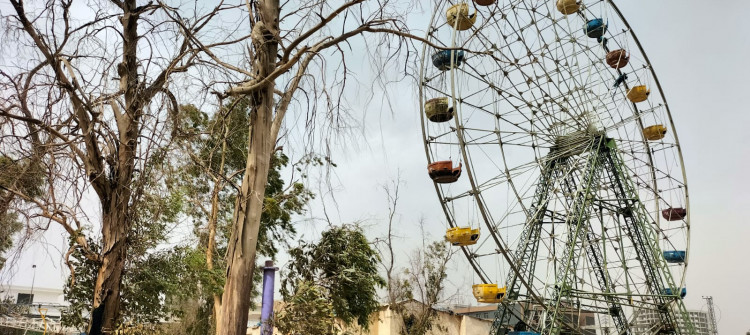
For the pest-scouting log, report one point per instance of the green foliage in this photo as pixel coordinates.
(24, 176)
(435, 270)
(154, 287)
(343, 266)
(9, 226)
(307, 311)
(178, 182)
(424, 281)
(78, 293)
(206, 137)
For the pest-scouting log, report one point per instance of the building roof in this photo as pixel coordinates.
(472, 309)
(21, 288)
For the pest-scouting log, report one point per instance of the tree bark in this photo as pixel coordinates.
(213, 220)
(235, 302)
(107, 288)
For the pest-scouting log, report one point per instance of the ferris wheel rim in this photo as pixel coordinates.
(503, 245)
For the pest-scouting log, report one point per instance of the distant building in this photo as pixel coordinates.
(486, 312)
(649, 319)
(25, 309)
(585, 320)
(25, 295)
(51, 298)
(387, 322)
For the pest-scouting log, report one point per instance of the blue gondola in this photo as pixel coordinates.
(522, 333)
(675, 256)
(595, 28)
(668, 291)
(442, 59)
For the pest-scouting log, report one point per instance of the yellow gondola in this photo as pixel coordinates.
(488, 293)
(568, 6)
(462, 236)
(638, 93)
(438, 110)
(458, 16)
(654, 133)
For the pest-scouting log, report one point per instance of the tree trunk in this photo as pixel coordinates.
(116, 199)
(235, 302)
(212, 222)
(107, 288)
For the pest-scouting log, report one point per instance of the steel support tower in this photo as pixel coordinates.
(603, 168)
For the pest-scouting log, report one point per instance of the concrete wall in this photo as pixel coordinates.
(41, 294)
(387, 322)
(52, 299)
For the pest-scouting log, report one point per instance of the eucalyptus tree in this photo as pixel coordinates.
(215, 145)
(298, 62)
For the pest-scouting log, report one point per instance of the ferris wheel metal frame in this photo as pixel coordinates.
(475, 191)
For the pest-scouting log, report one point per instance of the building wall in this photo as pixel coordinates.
(51, 299)
(387, 322)
(699, 319)
(41, 294)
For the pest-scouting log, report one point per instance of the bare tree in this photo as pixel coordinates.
(422, 279)
(90, 96)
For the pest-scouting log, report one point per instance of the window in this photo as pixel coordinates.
(25, 299)
(590, 321)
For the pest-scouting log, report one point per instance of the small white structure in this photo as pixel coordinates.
(53, 299)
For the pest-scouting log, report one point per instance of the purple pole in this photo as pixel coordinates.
(266, 307)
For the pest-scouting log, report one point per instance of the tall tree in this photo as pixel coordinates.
(220, 153)
(290, 56)
(87, 89)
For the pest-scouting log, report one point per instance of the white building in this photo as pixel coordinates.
(647, 319)
(52, 299)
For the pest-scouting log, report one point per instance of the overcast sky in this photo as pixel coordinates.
(699, 50)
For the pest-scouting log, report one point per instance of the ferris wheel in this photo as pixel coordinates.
(557, 164)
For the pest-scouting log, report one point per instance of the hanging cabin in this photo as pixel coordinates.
(675, 256)
(674, 214)
(655, 132)
(462, 236)
(668, 291)
(617, 59)
(442, 59)
(488, 293)
(458, 16)
(484, 2)
(443, 172)
(638, 93)
(568, 7)
(438, 110)
(595, 28)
